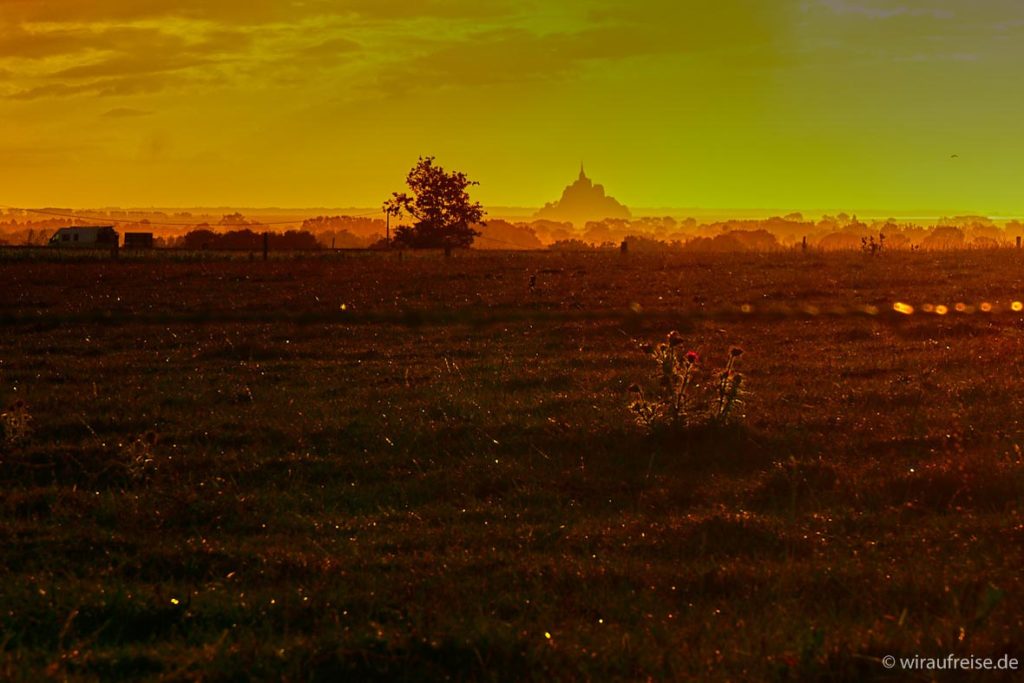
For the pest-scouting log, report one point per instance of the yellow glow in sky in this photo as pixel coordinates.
(898, 105)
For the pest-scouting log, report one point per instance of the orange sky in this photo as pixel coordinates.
(802, 104)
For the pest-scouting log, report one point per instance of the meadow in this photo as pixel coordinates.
(358, 467)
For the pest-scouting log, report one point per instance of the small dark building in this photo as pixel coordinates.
(138, 240)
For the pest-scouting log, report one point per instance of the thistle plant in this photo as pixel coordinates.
(729, 389)
(688, 395)
(15, 424)
(140, 459)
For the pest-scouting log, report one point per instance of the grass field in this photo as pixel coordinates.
(373, 469)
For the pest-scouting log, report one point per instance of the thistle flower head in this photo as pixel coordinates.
(692, 357)
(674, 339)
(735, 352)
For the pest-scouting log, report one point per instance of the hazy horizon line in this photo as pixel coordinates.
(527, 212)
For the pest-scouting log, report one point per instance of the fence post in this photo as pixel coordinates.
(266, 244)
(1018, 241)
(803, 244)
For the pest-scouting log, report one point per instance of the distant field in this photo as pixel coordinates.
(366, 468)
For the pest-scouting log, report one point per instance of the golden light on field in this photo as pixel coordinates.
(670, 103)
(905, 309)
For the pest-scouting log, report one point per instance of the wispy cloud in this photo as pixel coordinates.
(125, 113)
(104, 47)
(64, 60)
(886, 10)
(245, 12)
(105, 87)
(737, 31)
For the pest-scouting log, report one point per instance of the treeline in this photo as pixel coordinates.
(829, 233)
(246, 240)
(840, 232)
(732, 240)
(321, 232)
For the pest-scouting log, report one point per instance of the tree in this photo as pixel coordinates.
(441, 206)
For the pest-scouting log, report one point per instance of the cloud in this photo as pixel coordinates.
(16, 41)
(52, 90)
(64, 11)
(126, 65)
(69, 60)
(52, 41)
(913, 31)
(125, 113)
(885, 10)
(740, 32)
(105, 87)
(103, 46)
(245, 12)
(328, 48)
(389, 46)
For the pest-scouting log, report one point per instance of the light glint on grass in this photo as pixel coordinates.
(905, 309)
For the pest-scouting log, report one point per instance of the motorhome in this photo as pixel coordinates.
(98, 236)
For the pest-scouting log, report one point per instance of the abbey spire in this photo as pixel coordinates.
(583, 201)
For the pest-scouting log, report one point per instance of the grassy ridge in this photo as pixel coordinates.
(387, 500)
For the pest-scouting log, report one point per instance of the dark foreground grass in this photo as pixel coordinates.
(422, 497)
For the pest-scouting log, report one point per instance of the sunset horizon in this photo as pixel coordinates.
(893, 105)
(523, 211)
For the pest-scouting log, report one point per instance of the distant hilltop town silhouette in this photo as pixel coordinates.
(583, 201)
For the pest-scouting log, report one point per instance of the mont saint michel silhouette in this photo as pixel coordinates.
(583, 201)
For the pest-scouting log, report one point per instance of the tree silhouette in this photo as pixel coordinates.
(440, 204)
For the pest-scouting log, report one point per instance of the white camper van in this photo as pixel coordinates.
(96, 237)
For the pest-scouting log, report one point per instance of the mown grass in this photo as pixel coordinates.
(461, 492)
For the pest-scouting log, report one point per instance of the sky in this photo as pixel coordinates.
(798, 104)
